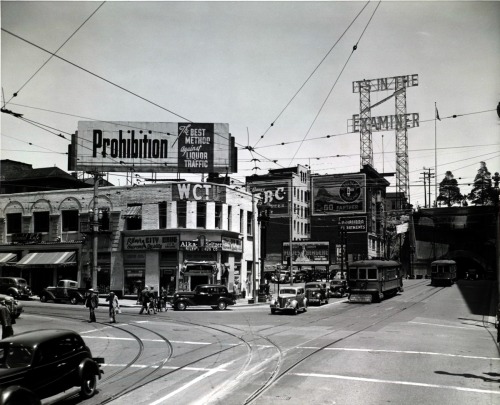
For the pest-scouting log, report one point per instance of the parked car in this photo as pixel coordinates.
(338, 288)
(214, 295)
(289, 299)
(65, 290)
(317, 293)
(16, 287)
(15, 307)
(42, 363)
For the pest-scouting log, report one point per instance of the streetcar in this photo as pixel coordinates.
(443, 272)
(373, 280)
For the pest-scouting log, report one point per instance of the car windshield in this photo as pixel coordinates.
(21, 281)
(15, 356)
(287, 291)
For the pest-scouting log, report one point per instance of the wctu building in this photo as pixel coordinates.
(145, 236)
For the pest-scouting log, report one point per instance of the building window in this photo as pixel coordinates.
(104, 220)
(162, 209)
(69, 220)
(249, 222)
(181, 214)
(201, 215)
(14, 223)
(134, 217)
(242, 218)
(41, 221)
(230, 218)
(218, 215)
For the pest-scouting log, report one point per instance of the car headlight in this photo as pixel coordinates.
(318, 295)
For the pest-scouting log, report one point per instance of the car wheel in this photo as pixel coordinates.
(221, 305)
(43, 298)
(295, 311)
(73, 300)
(273, 310)
(181, 306)
(88, 384)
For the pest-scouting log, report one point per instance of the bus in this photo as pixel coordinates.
(373, 280)
(443, 272)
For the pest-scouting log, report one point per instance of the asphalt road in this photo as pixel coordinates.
(427, 345)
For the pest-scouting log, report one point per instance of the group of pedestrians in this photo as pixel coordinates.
(92, 302)
(152, 301)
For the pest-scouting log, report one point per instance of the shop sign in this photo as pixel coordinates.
(26, 238)
(151, 242)
(232, 245)
(193, 245)
(352, 224)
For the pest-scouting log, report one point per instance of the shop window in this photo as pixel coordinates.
(181, 214)
(218, 215)
(41, 221)
(162, 209)
(69, 220)
(14, 223)
(201, 215)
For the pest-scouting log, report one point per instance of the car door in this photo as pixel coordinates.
(201, 296)
(53, 366)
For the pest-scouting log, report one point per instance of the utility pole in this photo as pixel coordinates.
(291, 230)
(425, 187)
(95, 231)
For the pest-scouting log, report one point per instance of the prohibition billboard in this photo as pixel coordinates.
(153, 147)
(338, 194)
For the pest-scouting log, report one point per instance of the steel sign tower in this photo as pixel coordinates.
(365, 124)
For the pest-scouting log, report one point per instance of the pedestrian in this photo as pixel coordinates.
(92, 302)
(6, 320)
(145, 300)
(153, 301)
(114, 306)
(162, 299)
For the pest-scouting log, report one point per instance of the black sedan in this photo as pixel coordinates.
(43, 363)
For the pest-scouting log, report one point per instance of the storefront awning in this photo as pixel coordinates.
(48, 258)
(133, 212)
(6, 258)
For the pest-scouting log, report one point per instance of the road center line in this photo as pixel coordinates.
(374, 380)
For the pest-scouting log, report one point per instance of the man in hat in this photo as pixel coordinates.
(92, 302)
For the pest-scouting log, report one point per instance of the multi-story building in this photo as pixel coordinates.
(144, 235)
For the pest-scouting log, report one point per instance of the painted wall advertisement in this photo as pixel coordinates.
(152, 146)
(339, 194)
(307, 253)
(275, 196)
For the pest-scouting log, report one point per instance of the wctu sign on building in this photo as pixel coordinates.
(153, 147)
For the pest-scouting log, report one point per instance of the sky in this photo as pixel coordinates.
(279, 73)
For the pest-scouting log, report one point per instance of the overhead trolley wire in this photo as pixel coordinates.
(309, 77)
(354, 48)
(58, 49)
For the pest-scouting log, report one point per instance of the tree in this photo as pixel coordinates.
(449, 192)
(482, 192)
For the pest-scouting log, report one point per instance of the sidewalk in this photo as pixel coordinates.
(131, 303)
